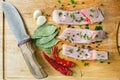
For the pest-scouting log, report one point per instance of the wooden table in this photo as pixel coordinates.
(13, 66)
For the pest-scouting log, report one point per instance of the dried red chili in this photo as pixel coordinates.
(58, 67)
(63, 62)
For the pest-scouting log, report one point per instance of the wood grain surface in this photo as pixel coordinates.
(1, 43)
(15, 67)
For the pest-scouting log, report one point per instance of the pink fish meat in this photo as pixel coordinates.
(77, 35)
(78, 17)
(84, 53)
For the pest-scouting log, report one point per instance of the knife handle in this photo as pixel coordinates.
(29, 56)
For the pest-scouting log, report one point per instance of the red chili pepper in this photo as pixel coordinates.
(87, 18)
(58, 67)
(63, 62)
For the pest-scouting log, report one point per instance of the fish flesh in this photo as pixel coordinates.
(78, 17)
(84, 53)
(77, 35)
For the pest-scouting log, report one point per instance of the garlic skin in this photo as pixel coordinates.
(36, 14)
(41, 20)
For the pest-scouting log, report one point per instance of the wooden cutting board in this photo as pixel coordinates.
(15, 67)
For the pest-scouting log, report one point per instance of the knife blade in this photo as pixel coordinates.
(24, 42)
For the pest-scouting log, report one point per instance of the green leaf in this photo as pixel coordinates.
(44, 30)
(47, 45)
(46, 39)
(72, 2)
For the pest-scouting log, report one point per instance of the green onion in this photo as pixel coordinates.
(60, 13)
(98, 28)
(72, 15)
(83, 46)
(86, 64)
(101, 4)
(71, 50)
(92, 10)
(91, 15)
(78, 49)
(72, 1)
(81, 19)
(59, 1)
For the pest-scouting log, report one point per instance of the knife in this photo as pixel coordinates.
(24, 41)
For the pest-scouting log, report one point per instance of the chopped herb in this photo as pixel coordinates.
(92, 10)
(59, 1)
(98, 28)
(86, 27)
(78, 49)
(108, 62)
(100, 23)
(60, 13)
(81, 19)
(91, 15)
(101, 4)
(71, 50)
(72, 15)
(72, 1)
(47, 15)
(101, 61)
(82, 60)
(86, 64)
(86, 37)
(69, 39)
(80, 26)
(61, 7)
(83, 46)
(59, 50)
(89, 46)
(98, 54)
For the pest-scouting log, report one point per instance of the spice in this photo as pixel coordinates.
(63, 70)
(74, 6)
(72, 15)
(60, 13)
(108, 62)
(100, 23)
(92, 10)
(68, 26)
(98, 28)
(59, 1)
(83, 3)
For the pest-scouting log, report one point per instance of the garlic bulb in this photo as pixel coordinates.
(41, 20)
(36, 14)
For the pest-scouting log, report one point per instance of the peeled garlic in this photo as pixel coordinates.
(36, 14)
(41, 20)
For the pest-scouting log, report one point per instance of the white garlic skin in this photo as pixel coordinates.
(36, 14)
(41, 20)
